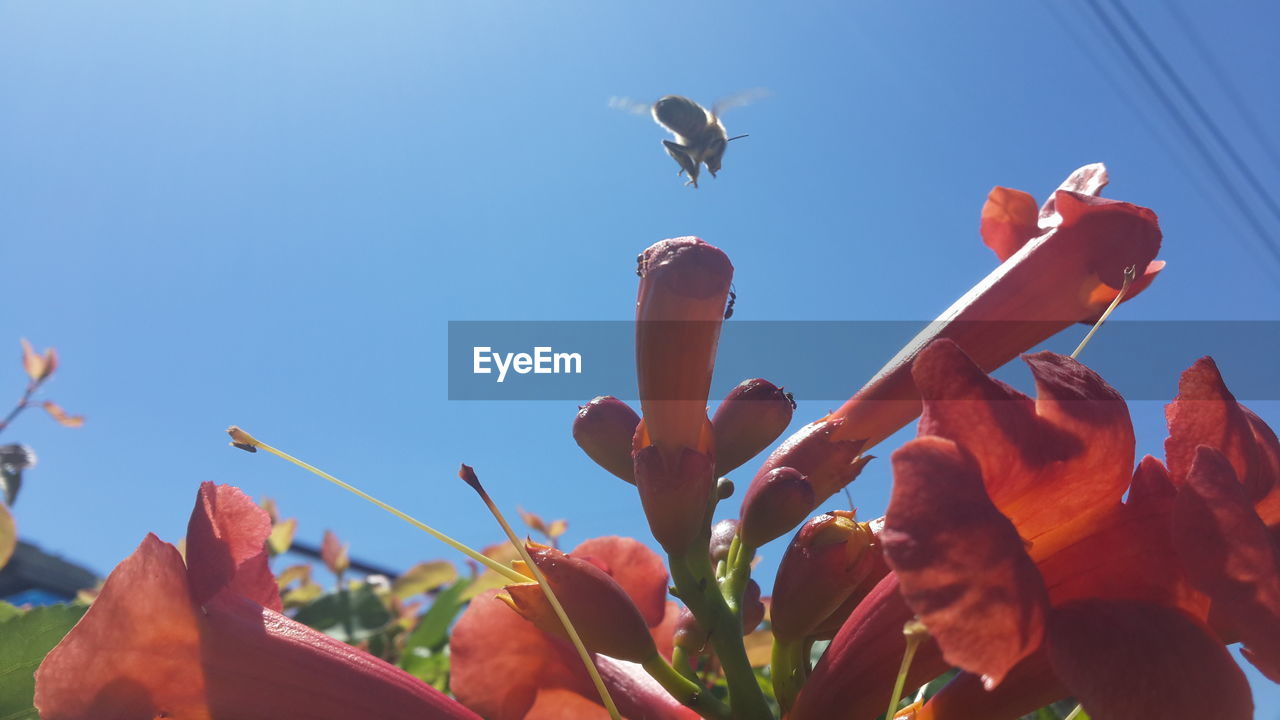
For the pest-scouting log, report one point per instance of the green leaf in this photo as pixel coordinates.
(429, 667)
(348, 615)
(7, 611)
(433, 629)
(24, 641)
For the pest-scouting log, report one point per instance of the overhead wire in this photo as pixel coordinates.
(1195, 139)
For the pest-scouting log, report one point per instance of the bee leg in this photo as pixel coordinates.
(682, 158)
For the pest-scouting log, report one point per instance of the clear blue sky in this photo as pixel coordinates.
(265, 214)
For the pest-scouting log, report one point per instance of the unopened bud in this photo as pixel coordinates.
(751, 417)
(604, 429)
(774, 504)
(601, 611)
(724, 488)
(722, 535)
(826, 464)
(829, 557)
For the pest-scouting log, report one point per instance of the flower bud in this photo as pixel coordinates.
(683, 287)
(601, 611)
(751, 417)
(774, 504)
(722, 534)
(827, 559)
(604, 429)
(824, 463)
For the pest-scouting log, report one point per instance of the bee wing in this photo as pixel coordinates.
(746, 97)
(628, 105)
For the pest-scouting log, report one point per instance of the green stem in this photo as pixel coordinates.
(737, 574)
(915, 632)
(683, 664)
(696, 585)
(789, 668)
(689, 693)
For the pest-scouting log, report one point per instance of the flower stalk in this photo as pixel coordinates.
(696, 585)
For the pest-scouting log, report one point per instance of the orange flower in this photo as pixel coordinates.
(505, 668)
(1011, 537)
(207, 640)
(1061, 266)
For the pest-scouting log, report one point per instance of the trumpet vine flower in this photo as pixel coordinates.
(1045, 566)
(206, 640)
(1062, 265)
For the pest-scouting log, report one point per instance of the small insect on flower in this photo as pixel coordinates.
(700, 137)
(733, 300)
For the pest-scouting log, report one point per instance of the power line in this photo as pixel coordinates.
(1176, 151)
(1190, 98)
(1224, 81)
(1187, 129)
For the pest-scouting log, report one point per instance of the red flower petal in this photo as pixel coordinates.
(260, 665)
(505, 668)
(135, 653)
(1009, 220)
(1125, 659)
(226, 547)
(961, 563)
(1229, 556)
(1206, 413)
(1030, 685)
(1044, 463)
(145, 650)
(635, 567)
(499, 661)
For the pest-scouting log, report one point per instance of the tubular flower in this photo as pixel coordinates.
(683, 287)
(207, 640)
(504, 667)
(1011, 538)
(1060, 266)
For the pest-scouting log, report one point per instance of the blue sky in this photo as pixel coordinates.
(265, 214)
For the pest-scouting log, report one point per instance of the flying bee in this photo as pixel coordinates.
(700, 137)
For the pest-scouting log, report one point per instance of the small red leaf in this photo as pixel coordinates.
(57, 413)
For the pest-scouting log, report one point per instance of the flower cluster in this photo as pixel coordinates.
(1023, 546)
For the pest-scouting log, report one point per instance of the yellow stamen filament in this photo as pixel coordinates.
(242, 439)
(1129, 274)
(1078, 714)
(915, 632)
(547, 591)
